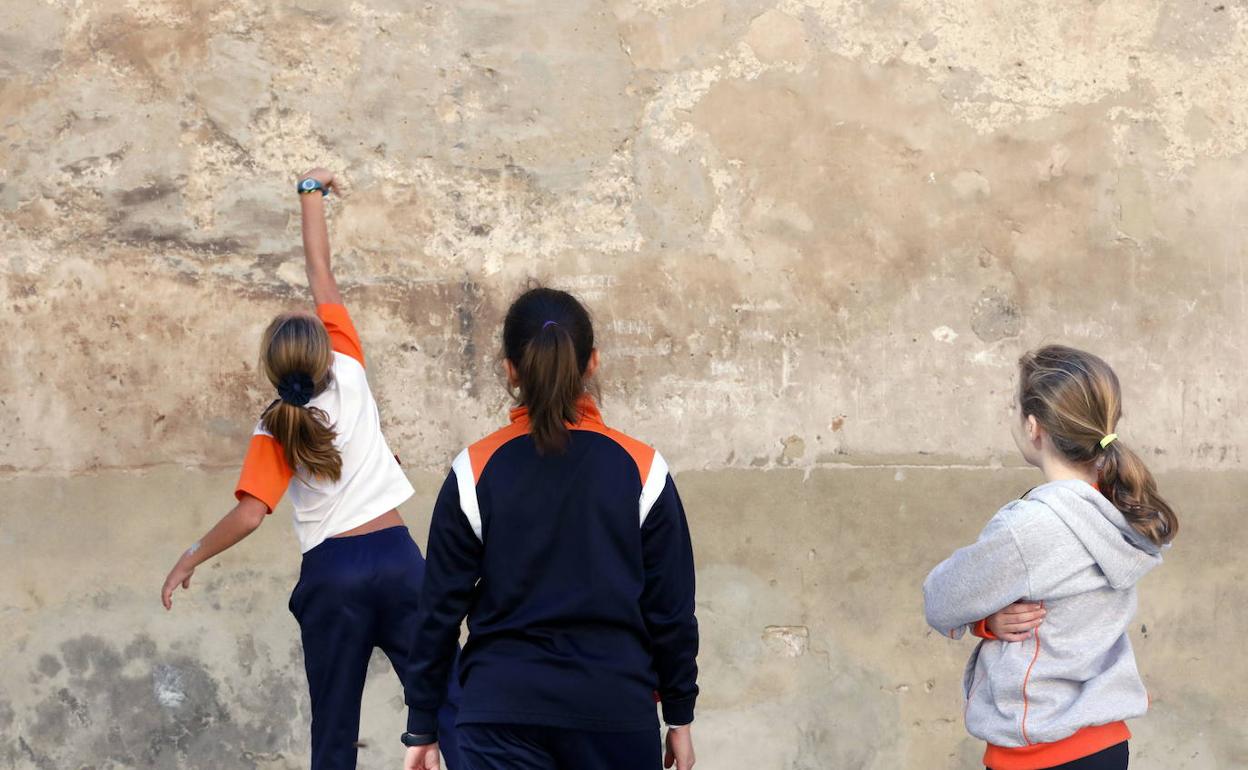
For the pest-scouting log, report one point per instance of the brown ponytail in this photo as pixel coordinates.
(1076, 397)
(1127, 483)
(296, 355)
(549, 338)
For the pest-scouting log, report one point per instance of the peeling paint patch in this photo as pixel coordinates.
(996, 316)
(794, 449)
(789, 641)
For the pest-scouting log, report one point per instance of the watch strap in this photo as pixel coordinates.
(309, 185)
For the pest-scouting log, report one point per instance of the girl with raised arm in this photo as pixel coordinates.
(565, 545)
(320, 443)
(1054, 678)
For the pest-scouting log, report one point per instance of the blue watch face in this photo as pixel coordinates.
(308, 184)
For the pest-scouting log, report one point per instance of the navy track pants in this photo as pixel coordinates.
(533, 747)
(354, 594)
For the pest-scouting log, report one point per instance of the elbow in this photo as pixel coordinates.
(935, 614)
(251, 514)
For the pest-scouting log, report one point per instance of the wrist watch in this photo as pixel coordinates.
(418, 739)
(311, 185)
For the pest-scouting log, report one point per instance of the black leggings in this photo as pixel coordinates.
(1112, 758)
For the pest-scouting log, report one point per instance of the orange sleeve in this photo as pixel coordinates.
(980, 629)
(266, 474)
(342, 334)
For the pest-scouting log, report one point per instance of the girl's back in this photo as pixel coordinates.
(561, 615)
(321, 441)
(564, 544)
(1067, 546)
(370, 481)
(1050, 583)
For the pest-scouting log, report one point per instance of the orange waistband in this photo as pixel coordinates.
(1084, 743)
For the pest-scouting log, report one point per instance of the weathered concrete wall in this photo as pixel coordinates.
(816, 234)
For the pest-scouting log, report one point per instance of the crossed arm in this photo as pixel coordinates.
(979, 587)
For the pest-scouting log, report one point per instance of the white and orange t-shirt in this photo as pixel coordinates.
(372, 482)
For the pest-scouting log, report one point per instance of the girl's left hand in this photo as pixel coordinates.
(181, 573)
(422, 758)
(1016, 622)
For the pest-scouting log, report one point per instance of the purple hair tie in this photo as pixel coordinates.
(549, 323)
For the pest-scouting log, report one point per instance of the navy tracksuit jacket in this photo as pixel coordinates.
(575, 572)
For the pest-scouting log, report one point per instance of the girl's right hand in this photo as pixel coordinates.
(1016, 622)
(180, 574)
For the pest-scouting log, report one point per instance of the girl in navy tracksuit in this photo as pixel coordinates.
(565, 545)
(319, 443)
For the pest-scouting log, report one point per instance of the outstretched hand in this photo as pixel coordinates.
(1016, 622)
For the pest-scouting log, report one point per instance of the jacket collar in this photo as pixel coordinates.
(585, 406)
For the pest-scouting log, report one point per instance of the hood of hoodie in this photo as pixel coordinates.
(1123, 554)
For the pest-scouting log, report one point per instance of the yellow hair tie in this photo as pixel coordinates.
(1111, 438)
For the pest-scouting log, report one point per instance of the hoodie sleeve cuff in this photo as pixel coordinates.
(980, 629)
(678, 712)
(420, 721)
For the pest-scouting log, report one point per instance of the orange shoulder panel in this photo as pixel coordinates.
(481, 452)
(642, 454)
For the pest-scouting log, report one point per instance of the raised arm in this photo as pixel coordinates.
(316, 239)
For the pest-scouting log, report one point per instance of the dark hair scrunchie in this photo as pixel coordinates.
(295, 388)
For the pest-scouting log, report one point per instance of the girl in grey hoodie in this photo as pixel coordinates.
(1050, 583)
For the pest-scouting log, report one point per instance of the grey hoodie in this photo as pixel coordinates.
(1063, 544)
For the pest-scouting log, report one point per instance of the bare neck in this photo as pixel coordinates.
(1057, 468)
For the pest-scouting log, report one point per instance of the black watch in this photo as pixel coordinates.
(418, 739)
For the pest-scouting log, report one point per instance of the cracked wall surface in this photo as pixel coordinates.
(815, 234)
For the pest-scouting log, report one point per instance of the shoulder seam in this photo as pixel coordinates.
(478, 472)
(351, 358)
(622, 439)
